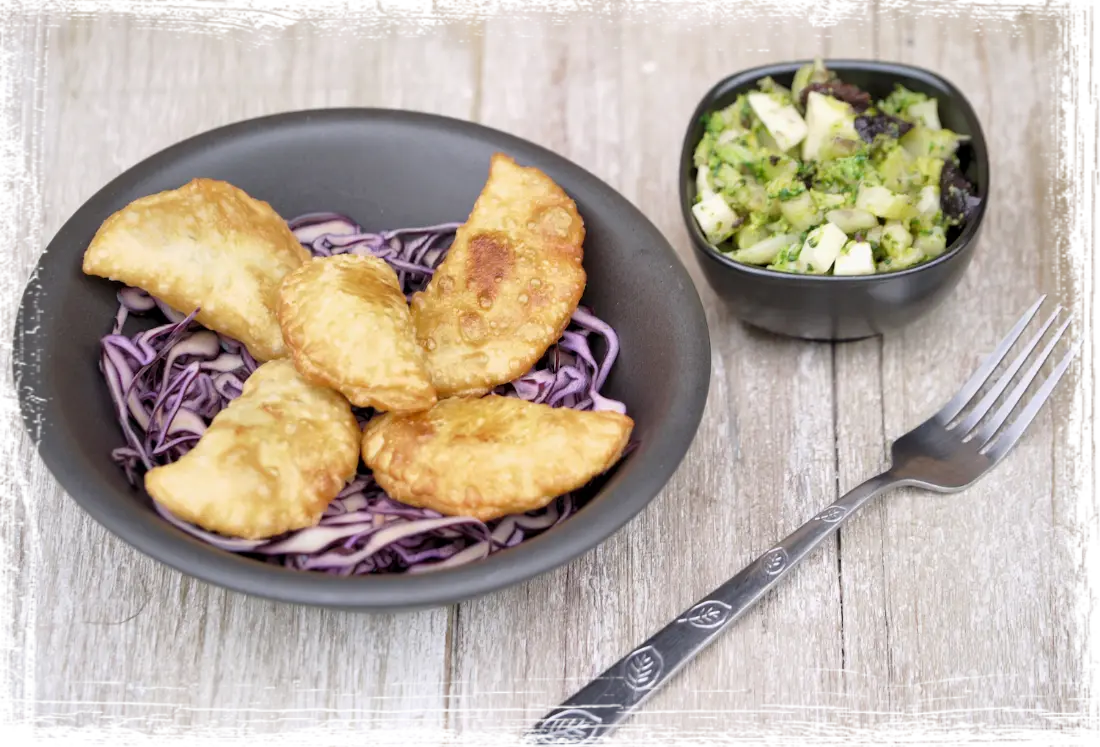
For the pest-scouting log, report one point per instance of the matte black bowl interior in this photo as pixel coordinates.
(386, 169)
(824, 307)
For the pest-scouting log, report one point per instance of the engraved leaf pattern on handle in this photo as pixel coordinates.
(625, 685)
(707, 615)
(832, 514)
(774, 561)
(643, 668)
(572, 726)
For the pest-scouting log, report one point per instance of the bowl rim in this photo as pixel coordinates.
(893, 69)
(384, 593)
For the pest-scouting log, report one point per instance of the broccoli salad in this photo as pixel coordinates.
(820, 179)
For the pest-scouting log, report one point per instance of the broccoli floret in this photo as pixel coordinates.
(736, 117)
(755, 228)
(776, 166)
(930, 169)
(921, 141)
(736, 153)
(751, 197)
(745, 152)
(703, 150)
(744, 111)
(842, 174)
(720, 120)
(897, 168)
(768, 85)
(714, 123)
(781, 226)
(726, 177)
(787, 259)
(785, 187)
(900, 99)
(760, 221)
(806, 171)
(825, 201)
(814, 72)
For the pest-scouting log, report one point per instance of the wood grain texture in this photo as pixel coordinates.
(902, 620)
(985, 621)
(762, 461)
(99, 645)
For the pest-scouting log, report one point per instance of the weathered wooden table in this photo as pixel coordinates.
(927, 614)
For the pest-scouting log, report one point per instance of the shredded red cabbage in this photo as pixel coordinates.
(168, 383)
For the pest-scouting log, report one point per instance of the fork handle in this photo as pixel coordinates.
(601, 705)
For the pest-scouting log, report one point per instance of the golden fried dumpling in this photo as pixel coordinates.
(269, 463)
(206, 245)
(492, 456)
(348, 327)
(508, 286)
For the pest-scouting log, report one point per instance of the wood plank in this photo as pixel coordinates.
(119, 638)
(948, 600)
(860, 448)
(918, 626)
(761, 464)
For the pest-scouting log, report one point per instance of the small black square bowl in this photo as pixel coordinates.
(825, 307)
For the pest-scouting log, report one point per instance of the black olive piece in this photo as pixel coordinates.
(847, 92)
(870, 127)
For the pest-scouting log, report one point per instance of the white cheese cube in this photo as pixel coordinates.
(852, 220)
(782, 121)
(716, 218)
(855, 258)
(882, 202)
(927, 113)
(703, 182)
(929, 203)
(764, 252)
(826, 117)
(896, 238)
(820, 250)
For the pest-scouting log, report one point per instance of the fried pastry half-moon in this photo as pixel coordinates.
(492, 456)
(508, 286)
(348, 327)
(269, 463)
(206, 245)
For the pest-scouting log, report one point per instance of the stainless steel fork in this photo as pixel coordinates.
(946, 453)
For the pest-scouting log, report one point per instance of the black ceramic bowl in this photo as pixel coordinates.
(386, 169)
(824, 307)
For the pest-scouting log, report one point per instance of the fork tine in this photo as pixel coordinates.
(1008, 439)
(952, 409)
(975, 416)
(990, 429)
